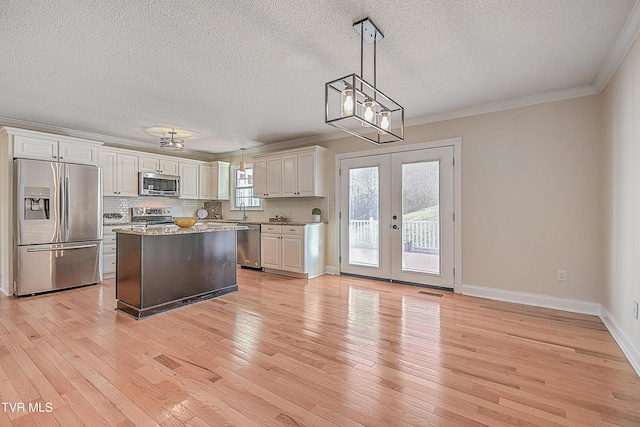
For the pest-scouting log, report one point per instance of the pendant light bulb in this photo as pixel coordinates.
(369, 114)
(347, 102)
(242, 165)
(385, 119)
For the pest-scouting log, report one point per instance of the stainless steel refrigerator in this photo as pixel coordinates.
(58, 226)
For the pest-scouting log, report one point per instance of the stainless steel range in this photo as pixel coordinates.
(151, 216)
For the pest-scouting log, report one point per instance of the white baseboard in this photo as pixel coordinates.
(574, 306)
(629, 348)
(330, 269)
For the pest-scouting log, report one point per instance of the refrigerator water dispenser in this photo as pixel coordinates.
(36, 203)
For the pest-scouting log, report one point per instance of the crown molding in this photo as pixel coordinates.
(524, 101)
(621, 47)
(108, 141)
(284, 145)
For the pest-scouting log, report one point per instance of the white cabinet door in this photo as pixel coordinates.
(169, 167)
(220, 183)
(108, 161)
(189, 177)
(274, 176)
(27, 147)
(260, 177)
(289, 175)
(148, 164)
(127, 175)
(306, 174)
(293, 253)
(72, 152)
(270, 248)
(205, 181)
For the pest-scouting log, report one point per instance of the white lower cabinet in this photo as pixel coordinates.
(109, 250)
(294, 250)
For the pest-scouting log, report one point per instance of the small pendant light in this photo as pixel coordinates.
(242, 165)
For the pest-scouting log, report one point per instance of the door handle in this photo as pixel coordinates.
(61, 249)
(66, 206)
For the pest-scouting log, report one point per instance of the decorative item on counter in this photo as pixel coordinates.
(112, 217)
(278, 218)
(184, 222)
(315, 213)
(202, 213)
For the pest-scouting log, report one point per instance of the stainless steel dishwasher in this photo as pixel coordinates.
(248, 246)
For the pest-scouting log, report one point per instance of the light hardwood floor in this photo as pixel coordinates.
(329, 351)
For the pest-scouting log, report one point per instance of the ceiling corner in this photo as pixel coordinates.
(625, 40)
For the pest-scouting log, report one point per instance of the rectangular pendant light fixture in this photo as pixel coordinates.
(358, 107)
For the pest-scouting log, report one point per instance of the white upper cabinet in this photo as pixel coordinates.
(156, 164)
(292, 173)
(73, 152)
(189, 177)
(214, 181)
(119, 173)
(35, 148)
(267, 176)
(260, 177)
(169, 167)
(44, 146)
(148, 164)
(205, 182)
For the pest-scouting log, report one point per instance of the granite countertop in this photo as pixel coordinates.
(260, 222)
(170, 230)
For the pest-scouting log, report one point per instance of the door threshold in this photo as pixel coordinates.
(400, 282)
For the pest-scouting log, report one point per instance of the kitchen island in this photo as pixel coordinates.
(159, 269)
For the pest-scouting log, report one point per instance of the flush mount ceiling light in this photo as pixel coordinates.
(172, 143)
(358, 107)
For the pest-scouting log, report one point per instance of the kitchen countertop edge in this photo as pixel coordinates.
(169, 231)
(262, 222)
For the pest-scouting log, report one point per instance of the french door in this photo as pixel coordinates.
(397, 216)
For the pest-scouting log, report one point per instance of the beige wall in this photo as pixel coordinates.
(621, 136)
(531, 196)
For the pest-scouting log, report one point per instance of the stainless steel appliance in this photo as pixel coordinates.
(155, 184)
(248, 246)
(151, 216)
(58, 226)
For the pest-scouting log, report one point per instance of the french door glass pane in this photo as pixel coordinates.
(364, 227)
(421, 217)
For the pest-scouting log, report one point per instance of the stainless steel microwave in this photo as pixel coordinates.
(155, 184)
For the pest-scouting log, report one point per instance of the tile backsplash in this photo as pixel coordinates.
(214, 209)
(295, 209)
(298, 209)
(123, 205)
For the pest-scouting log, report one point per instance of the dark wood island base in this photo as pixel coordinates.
(163, 269)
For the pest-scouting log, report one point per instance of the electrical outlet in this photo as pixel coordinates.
(635, 309)
(562, 275)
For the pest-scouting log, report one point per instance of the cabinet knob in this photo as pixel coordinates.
(55, 157)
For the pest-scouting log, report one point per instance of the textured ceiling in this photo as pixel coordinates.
(247, 73)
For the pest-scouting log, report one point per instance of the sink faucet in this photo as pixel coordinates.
(243, 208)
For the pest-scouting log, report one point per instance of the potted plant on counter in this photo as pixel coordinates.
(315, 213)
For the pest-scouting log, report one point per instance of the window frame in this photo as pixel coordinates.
(234, 182)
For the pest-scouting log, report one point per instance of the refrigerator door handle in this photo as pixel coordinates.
(61, 249)
(62, 201)
(66, 207)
